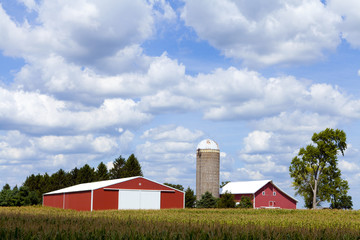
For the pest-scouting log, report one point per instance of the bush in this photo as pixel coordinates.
(207, 201)
(227, 200)
(245, 202)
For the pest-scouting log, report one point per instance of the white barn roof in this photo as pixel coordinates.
(90, 186)
(249, 187)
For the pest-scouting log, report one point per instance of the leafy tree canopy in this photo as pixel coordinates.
(315, 174)
(227, 200)
(245, 202)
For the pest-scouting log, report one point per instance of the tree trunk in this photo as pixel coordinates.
(314, 195)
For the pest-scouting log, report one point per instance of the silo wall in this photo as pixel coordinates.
(207, 172)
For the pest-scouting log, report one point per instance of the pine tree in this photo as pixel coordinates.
(190, 198)
(86, 174)
(102, 172)
(118, 170)
(207, 201)
(132, 167)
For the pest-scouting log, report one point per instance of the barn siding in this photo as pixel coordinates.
(105, 199)
(55, 200)
(281, 200)
(80, 201)
(239, 196)
(172, 200)
(140, 184)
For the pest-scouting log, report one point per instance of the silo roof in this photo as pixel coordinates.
(208, 144)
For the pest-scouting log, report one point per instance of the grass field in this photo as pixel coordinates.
(50, 223)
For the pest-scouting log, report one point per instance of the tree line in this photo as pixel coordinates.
(30, 193)
(207, 200)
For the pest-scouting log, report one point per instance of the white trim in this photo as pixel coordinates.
(184, 201)
(254, 201)
(92, 200)
(124, 189)
(161, 184)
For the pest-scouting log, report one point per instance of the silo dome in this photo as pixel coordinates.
(208, 144)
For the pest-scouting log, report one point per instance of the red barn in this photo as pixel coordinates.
(123, 193)
(264, 194)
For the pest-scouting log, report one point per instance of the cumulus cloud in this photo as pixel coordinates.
(171, 132)
(79, 30)
(348, 9)
(34, 112)
(257, 141)
(54, 75)
(270, 33)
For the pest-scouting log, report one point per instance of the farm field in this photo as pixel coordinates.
(50, 223)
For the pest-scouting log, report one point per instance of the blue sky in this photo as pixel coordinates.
(84, 81)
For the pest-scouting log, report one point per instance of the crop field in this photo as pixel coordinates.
(51, 223)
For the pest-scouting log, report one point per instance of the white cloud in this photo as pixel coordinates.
(30, 4)
(34, 112)
(347, 166)
(247, 174)
(172, 133)
(257, 141)
(80, 30)
(349, 10)
(270, 33)
(297, 121)
(126, 140)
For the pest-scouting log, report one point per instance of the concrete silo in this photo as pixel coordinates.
(207, 168)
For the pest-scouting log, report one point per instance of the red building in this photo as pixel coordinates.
(264, 194)
(123, 193)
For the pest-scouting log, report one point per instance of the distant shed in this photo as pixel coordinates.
(264, 194)
(123, 193)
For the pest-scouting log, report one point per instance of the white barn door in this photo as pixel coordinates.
(139, 199)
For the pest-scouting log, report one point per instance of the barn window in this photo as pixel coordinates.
(263, 193)
(274, 193)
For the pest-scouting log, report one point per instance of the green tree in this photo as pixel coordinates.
(102, 172)
(227, 200)
(190, 198)
(339, 197)
(73, 178)
(245, 202)
(207, 201)
(316, 166)
(86, 174)
(118, 170)
(223, 184)
(59, 180)
(132, 167)
(176, 186)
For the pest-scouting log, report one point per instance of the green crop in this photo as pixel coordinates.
(52, 223)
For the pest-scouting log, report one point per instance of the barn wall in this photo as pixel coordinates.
(168, 200)
(140, 184)
(172, 200)
(239, 196)
(80, 201)
(281, 200)
(105, 199)
(55, 200)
